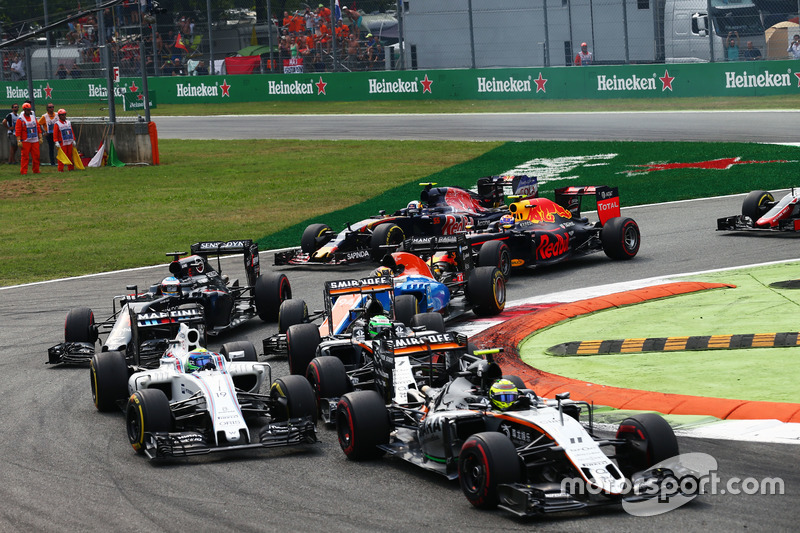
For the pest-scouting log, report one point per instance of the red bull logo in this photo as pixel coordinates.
(540, 210)
(552, 246)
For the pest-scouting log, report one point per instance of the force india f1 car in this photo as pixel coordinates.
(514, 457)
(545, 232)
(761, 212)
(442, 211)
(146, 321)
(197, 402)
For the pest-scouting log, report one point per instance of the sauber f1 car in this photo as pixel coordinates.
(194, 288)
(761, 212)
(197, 402)
(507, 446)
(544, 232)
(442, 211)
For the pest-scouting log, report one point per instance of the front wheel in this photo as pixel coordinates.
(109, 379)
(240, 351)
(362, 424)
(648, 440)
(315, 237)
(291, 312)
(756, 203)
(328, 377)
(79, 326)
(148, 412)
(486, 290)
(430, 321)
(270, 291)
(497, 254)
(487, 460)
(620, 237)
(405, 307)
(294, 398)
(385, 235)
(302, 341)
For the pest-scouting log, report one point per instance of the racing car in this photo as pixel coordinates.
(143, 318)
(198, 402)
(508, 447)
(539, 231)
(442, 211)
(761, 212)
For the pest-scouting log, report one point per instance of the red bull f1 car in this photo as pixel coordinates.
(440, 211)
(760, 212)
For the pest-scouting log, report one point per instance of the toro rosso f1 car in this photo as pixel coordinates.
(197, 402)
(507, 446)
(441, 211)
(761, 212)
(540, 231)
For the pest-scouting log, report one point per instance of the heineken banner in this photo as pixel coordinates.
(754, 78)
(135, 102)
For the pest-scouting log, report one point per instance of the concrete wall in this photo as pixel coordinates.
(131, 141)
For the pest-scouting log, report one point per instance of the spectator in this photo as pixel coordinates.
(18, 68)
(166, 68)
(201, 69)
(584, 56)
(47, 122)
(342, 32)
(732, 46)
(28, 139)
(75, 71)
(293, 51)
(177, 68)
(373, 47)
(62, 71)
(355, 19)
(10, 122)
(287, 21)
(64, 138)
(302, 46)
(325, 13)
(794, 47)
(353, 52)
(750, 53)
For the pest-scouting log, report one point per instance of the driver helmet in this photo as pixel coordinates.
(384, 271)
(507, 219)
(378, 324)
(414, 205)
(200, 359)
(171, 286)
(503, 394)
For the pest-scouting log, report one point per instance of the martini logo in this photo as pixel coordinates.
(395, 86)
(735, 80)
(296, 87)
(509, 85)
(715, 164)
(188, 90)
(99, 91)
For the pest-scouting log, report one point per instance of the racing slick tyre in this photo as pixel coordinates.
(314, 237)
(291, 312)
(487, 460)
(148, 412)
(79, 326)
(293, 398)
(405, 307)
(431, 321)
(328, 377)
(385, 235)
(486, 290)
(621, 238)
(649, 439)
(302, 341)
(496, 253)
(362, 424)
(270, 291)
(755, 204)
(109, 375)
(240, 351)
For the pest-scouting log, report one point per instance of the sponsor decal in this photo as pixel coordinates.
(540, 83)
(225, 88)
(395, 86)
(456, 224)
(541, 210)
(321, 87)
(424, 340)
(295, 87)
(177, 313)
(48, 91)
(666, 81)
(517, 262)
(736, 80)
(426, 85)
(631, 83)
(552, 246)
(360, 254)
(188, 90)
(517, 435)
(508, 85)
(99, 91)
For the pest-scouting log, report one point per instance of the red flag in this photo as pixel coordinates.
(179, 43)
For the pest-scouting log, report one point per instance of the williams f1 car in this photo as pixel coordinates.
(540, 231)
(197, 402)
(507, 446)
(145, 321)
(761, 212)
(442, 211)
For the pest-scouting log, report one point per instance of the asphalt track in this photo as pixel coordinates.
(66, 467)
(713, 126)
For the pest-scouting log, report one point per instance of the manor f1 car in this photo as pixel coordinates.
(761, 212)
(545, 232)
(442, 211)
(511, 449)
(221, 303)
(197, 402)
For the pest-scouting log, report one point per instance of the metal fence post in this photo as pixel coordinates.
(401, 40)
(471, 33)
(210, 37)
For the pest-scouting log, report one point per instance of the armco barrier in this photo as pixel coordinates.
(754, 78)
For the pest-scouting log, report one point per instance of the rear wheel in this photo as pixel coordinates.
(240, 351)
(497, 254)
(405, 307)
(431, 321)
(755, 204)
(486, 290)
(328, 377)
(79, 326)
(649, 439)
(487, 460)
(148, 412)
(385, 235)
(302, 341)
(270, 291)
(292, 312)
(109, 376)
(294, 398)
(362, 424)
(314, 237)
(620, 237)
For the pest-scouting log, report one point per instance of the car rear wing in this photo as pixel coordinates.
(607, 200)
(220, 248)
(381, 288)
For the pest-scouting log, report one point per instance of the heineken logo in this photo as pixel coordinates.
(15, 93)
(187, 89)
(394, 86)
(736, 80)
(508, 85)
(99, 91)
